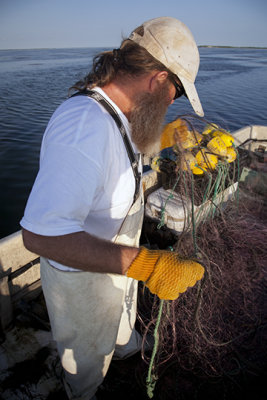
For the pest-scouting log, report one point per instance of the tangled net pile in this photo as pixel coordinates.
(218, 327)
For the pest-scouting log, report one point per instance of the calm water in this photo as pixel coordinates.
(232, 85)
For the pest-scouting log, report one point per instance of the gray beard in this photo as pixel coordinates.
(147, 120)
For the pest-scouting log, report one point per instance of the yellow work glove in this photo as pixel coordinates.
(164, 273)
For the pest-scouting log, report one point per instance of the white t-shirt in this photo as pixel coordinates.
(85, 181)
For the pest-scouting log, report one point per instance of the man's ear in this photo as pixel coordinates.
(158, 77)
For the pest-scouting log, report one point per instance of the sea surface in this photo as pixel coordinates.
(232, 86)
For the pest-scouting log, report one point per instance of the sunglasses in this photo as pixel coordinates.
(179, 89)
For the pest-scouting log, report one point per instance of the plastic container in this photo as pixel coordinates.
(175, 211)
(169, 208)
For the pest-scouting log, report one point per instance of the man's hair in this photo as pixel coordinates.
(130, 59)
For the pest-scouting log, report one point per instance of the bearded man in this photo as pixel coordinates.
(84, 214)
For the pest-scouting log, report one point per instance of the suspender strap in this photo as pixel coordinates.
(111, 110)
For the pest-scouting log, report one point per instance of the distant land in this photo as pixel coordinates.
(110, 47)
(232, 47)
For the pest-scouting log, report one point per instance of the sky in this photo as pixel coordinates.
(28, 24)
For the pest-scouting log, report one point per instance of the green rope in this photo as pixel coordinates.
(206, 196)
(216, 188)
(162, 216)
(151, 377)
(187, 214)
(238, 175)
(193, 214)
(185, 186)
(207, 191)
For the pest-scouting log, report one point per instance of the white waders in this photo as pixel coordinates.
(93, 314)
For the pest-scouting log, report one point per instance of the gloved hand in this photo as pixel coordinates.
(164, 273)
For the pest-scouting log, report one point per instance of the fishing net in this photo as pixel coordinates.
(217, 329)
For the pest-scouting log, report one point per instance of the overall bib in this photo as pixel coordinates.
(92, 315)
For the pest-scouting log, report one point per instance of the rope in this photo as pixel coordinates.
(193, 215)
(206, 196)
(238, 175)
(211, 190)
(216, 188)
(151, 377)
(187, 215)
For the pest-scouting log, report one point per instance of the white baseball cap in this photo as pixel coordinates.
(170, 41)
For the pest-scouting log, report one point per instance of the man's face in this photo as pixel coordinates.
(148, 116)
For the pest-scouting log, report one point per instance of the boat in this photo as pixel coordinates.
(24, 325)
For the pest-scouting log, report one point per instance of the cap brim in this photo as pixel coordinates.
(192, 96)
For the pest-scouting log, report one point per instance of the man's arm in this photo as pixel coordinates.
(164, 272)
(82, 251)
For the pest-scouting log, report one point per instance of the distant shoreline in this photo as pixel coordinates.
(104, 47)
(233, 47)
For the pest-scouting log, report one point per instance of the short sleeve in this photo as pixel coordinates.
(63, 192)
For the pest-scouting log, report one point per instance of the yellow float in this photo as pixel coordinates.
(217, 146)
(231, 154)
(206, 159)
(227, 138)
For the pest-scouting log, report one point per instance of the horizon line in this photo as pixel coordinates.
(99, 47)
